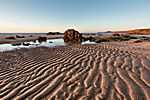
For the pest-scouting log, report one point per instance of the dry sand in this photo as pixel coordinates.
(110, 71)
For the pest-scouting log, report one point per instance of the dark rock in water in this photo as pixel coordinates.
(11, 37)
(16, 44)
(50, 42)
(17, 36)
(144, 37)
(72, 35)
(54, 33)
(26, 44)
(42, 39)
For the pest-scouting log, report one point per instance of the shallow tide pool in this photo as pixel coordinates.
(48, 43)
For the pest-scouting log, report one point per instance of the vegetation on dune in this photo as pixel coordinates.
(113, 37)
(123, 38)
(139, 31)
(146, 39)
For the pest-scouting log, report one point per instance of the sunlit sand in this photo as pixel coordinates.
(111, 70)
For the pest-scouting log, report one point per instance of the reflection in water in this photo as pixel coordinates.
(26, 44)
(16, 44)
(48, 43)
(88, 42)
(20, 43)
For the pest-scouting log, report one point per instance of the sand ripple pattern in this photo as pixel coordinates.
(105, 71)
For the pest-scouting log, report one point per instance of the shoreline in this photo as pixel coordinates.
(3, 39)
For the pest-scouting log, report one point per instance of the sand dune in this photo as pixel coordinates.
(110, 71)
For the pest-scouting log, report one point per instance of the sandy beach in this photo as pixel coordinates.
(104, 71)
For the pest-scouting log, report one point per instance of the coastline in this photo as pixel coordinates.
(26, 39)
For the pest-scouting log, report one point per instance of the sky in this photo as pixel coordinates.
(82, 15)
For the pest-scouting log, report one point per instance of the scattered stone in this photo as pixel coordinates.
(137, 41)
(54, 33)
(17, 36)
(42, 39)
(11, 37)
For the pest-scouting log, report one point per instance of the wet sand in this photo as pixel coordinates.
(110, 71)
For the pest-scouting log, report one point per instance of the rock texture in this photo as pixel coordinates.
(72, 35)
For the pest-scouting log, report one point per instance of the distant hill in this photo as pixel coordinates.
(140, 31)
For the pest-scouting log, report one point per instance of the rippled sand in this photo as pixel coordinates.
(110, 71)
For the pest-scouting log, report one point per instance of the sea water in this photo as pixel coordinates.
(23, 34)
(48, 43)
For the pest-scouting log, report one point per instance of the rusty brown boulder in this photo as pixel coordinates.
(72, 35)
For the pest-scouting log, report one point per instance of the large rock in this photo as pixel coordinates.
(72, 35)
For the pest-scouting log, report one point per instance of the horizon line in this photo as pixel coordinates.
(81, 32)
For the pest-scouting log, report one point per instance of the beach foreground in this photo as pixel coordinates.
(111, 70)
